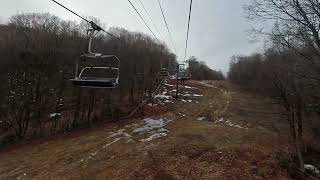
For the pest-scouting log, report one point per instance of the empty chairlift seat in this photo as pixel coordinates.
(183, 75)
(163, 73)
(97, 71)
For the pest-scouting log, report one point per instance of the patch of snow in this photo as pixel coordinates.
(229, 123)
(197, 95)
(164, 92)
(153, 127)
(127, 126)
(120, 134)
(169, 120)
(188, 87)
(166, 84)
(93, 154)
(162, 96)
(114, 141)
(167, 101)
(152, 104)
(115, 134)
(312, 168)
(201, 118)
(127, 136)
(163, 130)
(186, 101)
(21, 177)
(130, 140)
(220, 120)
(55, 115)
(154, 136)
(150, 124)
(205, 83)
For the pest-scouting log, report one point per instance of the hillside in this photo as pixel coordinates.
(214, 131)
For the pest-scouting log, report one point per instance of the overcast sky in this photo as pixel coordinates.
(218, 27)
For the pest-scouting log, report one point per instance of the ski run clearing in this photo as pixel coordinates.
(206, 134)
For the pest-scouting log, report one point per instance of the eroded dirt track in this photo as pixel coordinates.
(215, 131)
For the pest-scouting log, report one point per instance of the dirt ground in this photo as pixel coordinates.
(215, 131)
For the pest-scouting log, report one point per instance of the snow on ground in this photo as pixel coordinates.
(121, 135)
(186, 100)
(168, 101)
(150, 124)
(154, 136)
(155, 127)
(161, 96)
(55, 115)
(114, 141)
(186, 95)
(229, 123)
(189, 95)
(21, 177)
(153, 104)
(312, 168)
(197, 95)
(207, 84)
(130, 125)
(201, 118)
(169, 85)
(188, 87)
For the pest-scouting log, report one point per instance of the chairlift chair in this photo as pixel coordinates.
(183, 74)
(163, 73)
(93, 81)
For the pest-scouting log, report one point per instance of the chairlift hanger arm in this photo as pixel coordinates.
(93, 25)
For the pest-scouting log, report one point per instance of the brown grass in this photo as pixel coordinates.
(192, 150)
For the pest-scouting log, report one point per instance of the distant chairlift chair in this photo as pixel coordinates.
(112, 71)
(163, 73)
(183, 74)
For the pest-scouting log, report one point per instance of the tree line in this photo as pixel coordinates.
(289, 68)
(199, 70)
(38, 55)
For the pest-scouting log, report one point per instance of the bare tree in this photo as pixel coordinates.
(295, 41)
